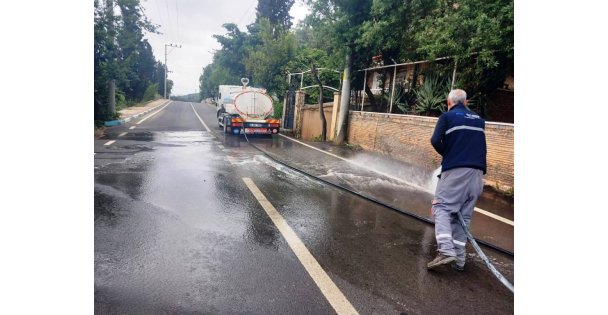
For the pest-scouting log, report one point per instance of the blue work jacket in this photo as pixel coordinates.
(460, 138)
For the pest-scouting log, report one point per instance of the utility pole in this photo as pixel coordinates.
(170, 45)
(112, 97)
(344, 100)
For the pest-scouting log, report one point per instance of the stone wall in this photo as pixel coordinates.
(407, 138)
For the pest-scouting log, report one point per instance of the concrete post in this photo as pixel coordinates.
(112, 98)
(165, 94)
(334, 117)
(284, 107)
(344, 102)
(299, 118)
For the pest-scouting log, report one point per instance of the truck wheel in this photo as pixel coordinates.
(220, 115)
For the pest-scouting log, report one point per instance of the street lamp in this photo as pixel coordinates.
(170, 45)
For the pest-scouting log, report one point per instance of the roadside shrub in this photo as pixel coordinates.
(278, 110)
(150, 93)
(432, 95)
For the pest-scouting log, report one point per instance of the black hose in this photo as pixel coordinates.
(494, 247)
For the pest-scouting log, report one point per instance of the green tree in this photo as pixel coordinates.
(121, 53)
(277, 14)
(478, 33)
(136, 53)
(468, 27)
(335, 27)
(105, 55)
(234, 50)
(268, 62)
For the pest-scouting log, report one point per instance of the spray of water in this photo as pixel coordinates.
(406, 173)
(435, 179)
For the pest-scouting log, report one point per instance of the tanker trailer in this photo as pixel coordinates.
(242, 109)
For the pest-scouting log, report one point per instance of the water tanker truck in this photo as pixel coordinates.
(242, 109)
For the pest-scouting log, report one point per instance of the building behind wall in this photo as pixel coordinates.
(500, 103)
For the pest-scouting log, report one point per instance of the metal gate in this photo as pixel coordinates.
(290, 107)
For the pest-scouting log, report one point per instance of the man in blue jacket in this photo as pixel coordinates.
(459, 137)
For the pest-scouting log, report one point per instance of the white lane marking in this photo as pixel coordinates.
(199, 118)
(494, 216)
(484, 212)
(156, 112)
(329, 289)
(122, 134)
(231, 160)
(221, 146)
(132, 127)
(109, 142)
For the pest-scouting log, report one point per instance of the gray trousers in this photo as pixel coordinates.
(457, 191)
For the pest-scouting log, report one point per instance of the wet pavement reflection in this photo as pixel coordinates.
(177, 231)
(412, 192)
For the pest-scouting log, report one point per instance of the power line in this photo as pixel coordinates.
(177, 17)
(159, 15)
(169, 18)
(250, 6)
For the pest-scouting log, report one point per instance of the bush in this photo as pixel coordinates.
(150, 93)
(354, 147)
(316, 139)
(278, 110)
(432, 95)
(121, 102)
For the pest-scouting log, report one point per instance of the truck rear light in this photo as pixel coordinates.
(236, 120)
(274, 125)
(237, 124)
(273, 121)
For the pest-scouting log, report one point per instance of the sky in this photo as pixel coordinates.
(192, 24)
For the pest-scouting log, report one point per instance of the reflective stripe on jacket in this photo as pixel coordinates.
(460, 138)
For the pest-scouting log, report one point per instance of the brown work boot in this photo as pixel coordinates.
(441, 259)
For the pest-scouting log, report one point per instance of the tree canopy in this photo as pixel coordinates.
(121, 53)
(476, 36)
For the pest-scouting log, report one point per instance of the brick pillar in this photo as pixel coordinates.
(299, 118)
(334, 117)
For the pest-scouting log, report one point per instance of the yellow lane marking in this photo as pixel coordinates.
(156, 112)
(484, 212)
(329, 289)
(199, 118)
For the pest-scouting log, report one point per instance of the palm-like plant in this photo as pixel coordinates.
(432, 95)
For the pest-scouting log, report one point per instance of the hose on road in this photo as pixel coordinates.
(472, 239)
(483, 257)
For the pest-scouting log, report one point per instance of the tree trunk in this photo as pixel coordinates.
(313, 71)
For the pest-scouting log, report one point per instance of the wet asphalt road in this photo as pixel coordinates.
(178, 231)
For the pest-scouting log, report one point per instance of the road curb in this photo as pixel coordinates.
(119, 122)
